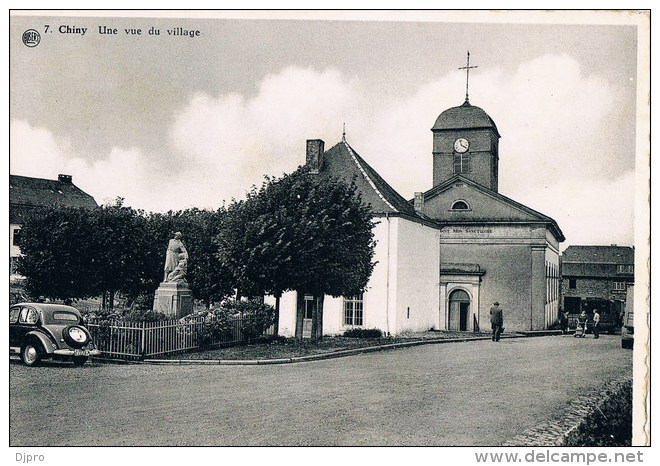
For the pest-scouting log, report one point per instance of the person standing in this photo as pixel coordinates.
(596, 323)
(563, 320)
(581, 328)
(496, 320)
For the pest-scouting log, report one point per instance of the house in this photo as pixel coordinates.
(27, 195)
(444, 257)
(596, 272)
(402, 293)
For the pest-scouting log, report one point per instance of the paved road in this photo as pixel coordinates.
(475, 393)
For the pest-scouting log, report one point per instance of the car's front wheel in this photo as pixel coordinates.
(31, 354)
(79, 361)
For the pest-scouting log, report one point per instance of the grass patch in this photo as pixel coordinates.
(282, 348)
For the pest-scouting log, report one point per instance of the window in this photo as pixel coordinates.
(462, 163)
(16, 240)
(65, 316)
(354, 310)
(572, 283)
(28, 316)
(13, 314)
(625, 269)
(619, 286)
(460, 205)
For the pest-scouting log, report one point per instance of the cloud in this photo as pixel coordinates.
(560, 151)
(38, 153)
(227, 143)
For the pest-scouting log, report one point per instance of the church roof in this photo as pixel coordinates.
(514, 211)
(27, 194)
(343, 162)
(464, 116)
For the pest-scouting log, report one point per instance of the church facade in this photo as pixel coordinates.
(444, 257)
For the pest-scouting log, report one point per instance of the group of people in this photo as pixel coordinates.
(497, 322)
(581, 326)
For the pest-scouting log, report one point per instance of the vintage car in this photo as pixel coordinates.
(40, 331)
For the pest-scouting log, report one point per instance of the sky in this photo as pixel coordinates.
(169, 122)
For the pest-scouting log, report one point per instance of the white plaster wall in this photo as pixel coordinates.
(287, 327)
(375, 298)
(380, 299)
(375, 304)
(417, 277)
(332, 315)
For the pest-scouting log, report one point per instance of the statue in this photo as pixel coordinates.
(173, 296)
(178, 275)
(176, 259)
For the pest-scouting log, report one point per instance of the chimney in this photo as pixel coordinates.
(419, 202)
(315, 155)
(64, 179)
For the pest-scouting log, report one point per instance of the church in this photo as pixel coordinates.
(444, 257)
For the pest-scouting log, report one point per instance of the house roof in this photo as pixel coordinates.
(27, 194)
(597, 262)
(464, 116)
(591, 270)
(523, 213)
(620, 255)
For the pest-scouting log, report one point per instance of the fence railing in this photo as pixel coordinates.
(139, 340)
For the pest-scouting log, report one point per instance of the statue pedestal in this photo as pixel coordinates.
(173, 299)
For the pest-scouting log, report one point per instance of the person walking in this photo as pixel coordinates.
(496, 320)
(596, 323)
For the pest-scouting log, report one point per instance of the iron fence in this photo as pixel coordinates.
(139, 340)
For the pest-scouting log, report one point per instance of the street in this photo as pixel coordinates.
(474, 393)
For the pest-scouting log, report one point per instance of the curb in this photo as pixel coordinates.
(315, 357)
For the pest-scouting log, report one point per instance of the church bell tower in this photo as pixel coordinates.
(465, 142)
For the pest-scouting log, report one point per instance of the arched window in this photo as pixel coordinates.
(460, 205)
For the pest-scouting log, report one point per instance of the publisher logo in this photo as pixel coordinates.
(31, 38)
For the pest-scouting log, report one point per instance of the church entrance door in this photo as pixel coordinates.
(459, 311)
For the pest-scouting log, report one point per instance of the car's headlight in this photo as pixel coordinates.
(77, 334)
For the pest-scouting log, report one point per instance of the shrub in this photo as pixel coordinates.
(363, 333)
(609, 423)
(215, 325)
(255, 318)
(126, 315)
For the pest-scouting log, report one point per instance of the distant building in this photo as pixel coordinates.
(27, 195)
(596, 272)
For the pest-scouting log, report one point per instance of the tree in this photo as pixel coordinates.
(300, 232)
(118, 246)
(54, 260)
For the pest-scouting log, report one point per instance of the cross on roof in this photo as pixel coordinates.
(467, 75)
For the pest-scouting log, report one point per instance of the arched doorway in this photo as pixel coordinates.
(459, 310)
